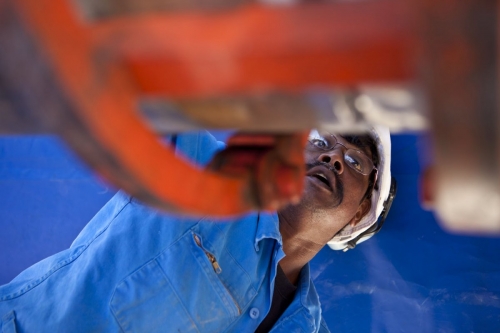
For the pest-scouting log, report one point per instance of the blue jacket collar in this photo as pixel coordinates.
(267, 227)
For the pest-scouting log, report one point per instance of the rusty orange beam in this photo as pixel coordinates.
(105, 102)
(257, 48)
(105, 68)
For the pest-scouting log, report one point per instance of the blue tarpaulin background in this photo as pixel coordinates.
(411, 277)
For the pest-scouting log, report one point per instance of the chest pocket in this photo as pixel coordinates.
(184, 289)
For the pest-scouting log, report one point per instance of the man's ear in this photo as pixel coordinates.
(363, 209)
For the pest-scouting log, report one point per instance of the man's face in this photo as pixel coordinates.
(333, 191)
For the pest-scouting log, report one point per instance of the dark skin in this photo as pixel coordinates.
(306, 227)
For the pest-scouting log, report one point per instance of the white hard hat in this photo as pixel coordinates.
(349, 236)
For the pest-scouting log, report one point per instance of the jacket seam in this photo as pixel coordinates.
(239, 265)
(221, 290)
(243, 269)
(114, 314)
(176, 294)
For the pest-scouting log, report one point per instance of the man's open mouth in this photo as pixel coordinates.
(323, 178)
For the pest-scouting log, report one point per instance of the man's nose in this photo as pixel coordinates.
(335, 158)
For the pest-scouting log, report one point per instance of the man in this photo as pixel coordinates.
(134, 269)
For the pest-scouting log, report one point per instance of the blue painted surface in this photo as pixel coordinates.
(412, 277)
(47, 196)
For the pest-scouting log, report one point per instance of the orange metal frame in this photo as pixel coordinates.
(105, 67)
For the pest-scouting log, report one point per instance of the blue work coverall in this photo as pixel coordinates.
(135, 269)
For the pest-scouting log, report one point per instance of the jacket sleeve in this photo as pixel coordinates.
(197, 147)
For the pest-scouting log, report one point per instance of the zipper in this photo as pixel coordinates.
(216, 267)
(209, 255)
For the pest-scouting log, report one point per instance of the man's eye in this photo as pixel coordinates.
(354, 163)
(319, 143)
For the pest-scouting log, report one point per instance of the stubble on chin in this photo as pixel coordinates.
(307, 218)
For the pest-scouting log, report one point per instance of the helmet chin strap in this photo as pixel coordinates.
(375, 228)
